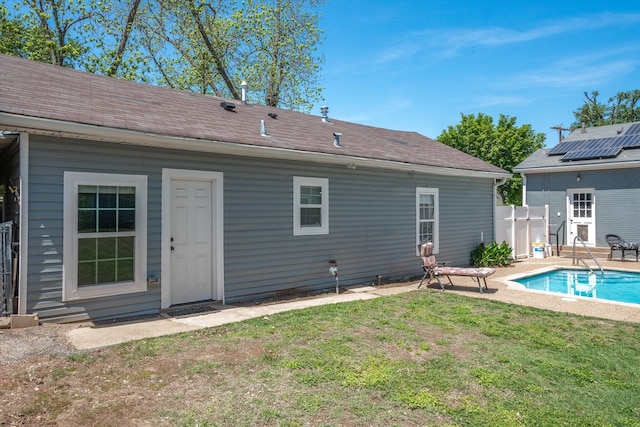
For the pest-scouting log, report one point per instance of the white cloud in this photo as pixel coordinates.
(442, 44)
(576, 71)
(492, 101)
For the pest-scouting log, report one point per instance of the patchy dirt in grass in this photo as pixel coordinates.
(44, 381)
(199, 378)
(54, 385)
(18, 345)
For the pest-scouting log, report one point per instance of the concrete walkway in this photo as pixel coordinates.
(501, 288)
(88, 335)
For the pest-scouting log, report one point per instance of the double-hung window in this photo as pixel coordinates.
(310, 206)
(427, 212)
(105, 234)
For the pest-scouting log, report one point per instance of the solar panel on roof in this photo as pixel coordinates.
(631, 141)
(595, 143)
(596, 153)
(633, 129)
(617, 142)
(564, 147)
(598, 148)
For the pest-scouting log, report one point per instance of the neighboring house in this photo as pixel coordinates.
(131, 198)
(591, 182)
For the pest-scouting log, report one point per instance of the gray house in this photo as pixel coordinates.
(591, 182)
(127, 198)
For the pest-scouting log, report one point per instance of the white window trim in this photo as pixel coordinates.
(436, 217)
(299, 181)
(72, 180)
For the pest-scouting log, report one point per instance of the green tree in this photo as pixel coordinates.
(211, 47)
(503, 144)
(56, 31)
(192, 45)
(12, 34)
(196, 45)
(40, 34)
(281, 43)
(115, 46)
(623, 107)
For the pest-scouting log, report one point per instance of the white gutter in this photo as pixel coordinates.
(582, 167)
(82, 131)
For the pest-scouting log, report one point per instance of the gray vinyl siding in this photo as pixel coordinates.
(48, 160)
(371, 224)
(617, 198)
(466, 216)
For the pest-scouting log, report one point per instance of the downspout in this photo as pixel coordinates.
(496, 184)
(23, 225)
(524, 189)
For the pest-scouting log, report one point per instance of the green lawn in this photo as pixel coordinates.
(416, 359)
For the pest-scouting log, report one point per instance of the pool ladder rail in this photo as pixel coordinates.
(582, 260)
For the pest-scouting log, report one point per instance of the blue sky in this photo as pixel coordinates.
(417, 65)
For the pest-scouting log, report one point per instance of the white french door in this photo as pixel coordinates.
(581, 215)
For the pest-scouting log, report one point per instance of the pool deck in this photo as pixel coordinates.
(501, 290)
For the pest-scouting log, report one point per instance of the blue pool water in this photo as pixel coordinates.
(613, 285)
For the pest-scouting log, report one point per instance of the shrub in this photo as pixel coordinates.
(492, 255)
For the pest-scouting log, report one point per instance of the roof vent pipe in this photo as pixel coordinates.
(336, 140)
(584, 127)
(263, 128)
(325, 113)
(243, 86)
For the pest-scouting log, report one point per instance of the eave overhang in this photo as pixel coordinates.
(58, 128)
(625, 164)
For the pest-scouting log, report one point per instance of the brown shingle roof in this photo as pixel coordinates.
(38, 90)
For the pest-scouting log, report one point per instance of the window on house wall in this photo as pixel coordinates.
(310, 206)
(427, 211)
(105, 234)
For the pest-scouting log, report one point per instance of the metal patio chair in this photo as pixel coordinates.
(617, 243)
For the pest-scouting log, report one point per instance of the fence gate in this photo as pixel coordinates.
(6, 292)
(521, 226)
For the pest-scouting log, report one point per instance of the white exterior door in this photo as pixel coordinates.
(581, 214)
(191, 241)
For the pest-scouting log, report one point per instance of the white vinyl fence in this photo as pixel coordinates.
(522, 227)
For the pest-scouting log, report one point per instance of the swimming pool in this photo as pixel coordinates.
(613, 285)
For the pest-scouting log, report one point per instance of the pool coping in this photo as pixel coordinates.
(510, 282)
(499, 290)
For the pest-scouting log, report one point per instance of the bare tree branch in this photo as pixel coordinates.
(216, 58)
(124, 39)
